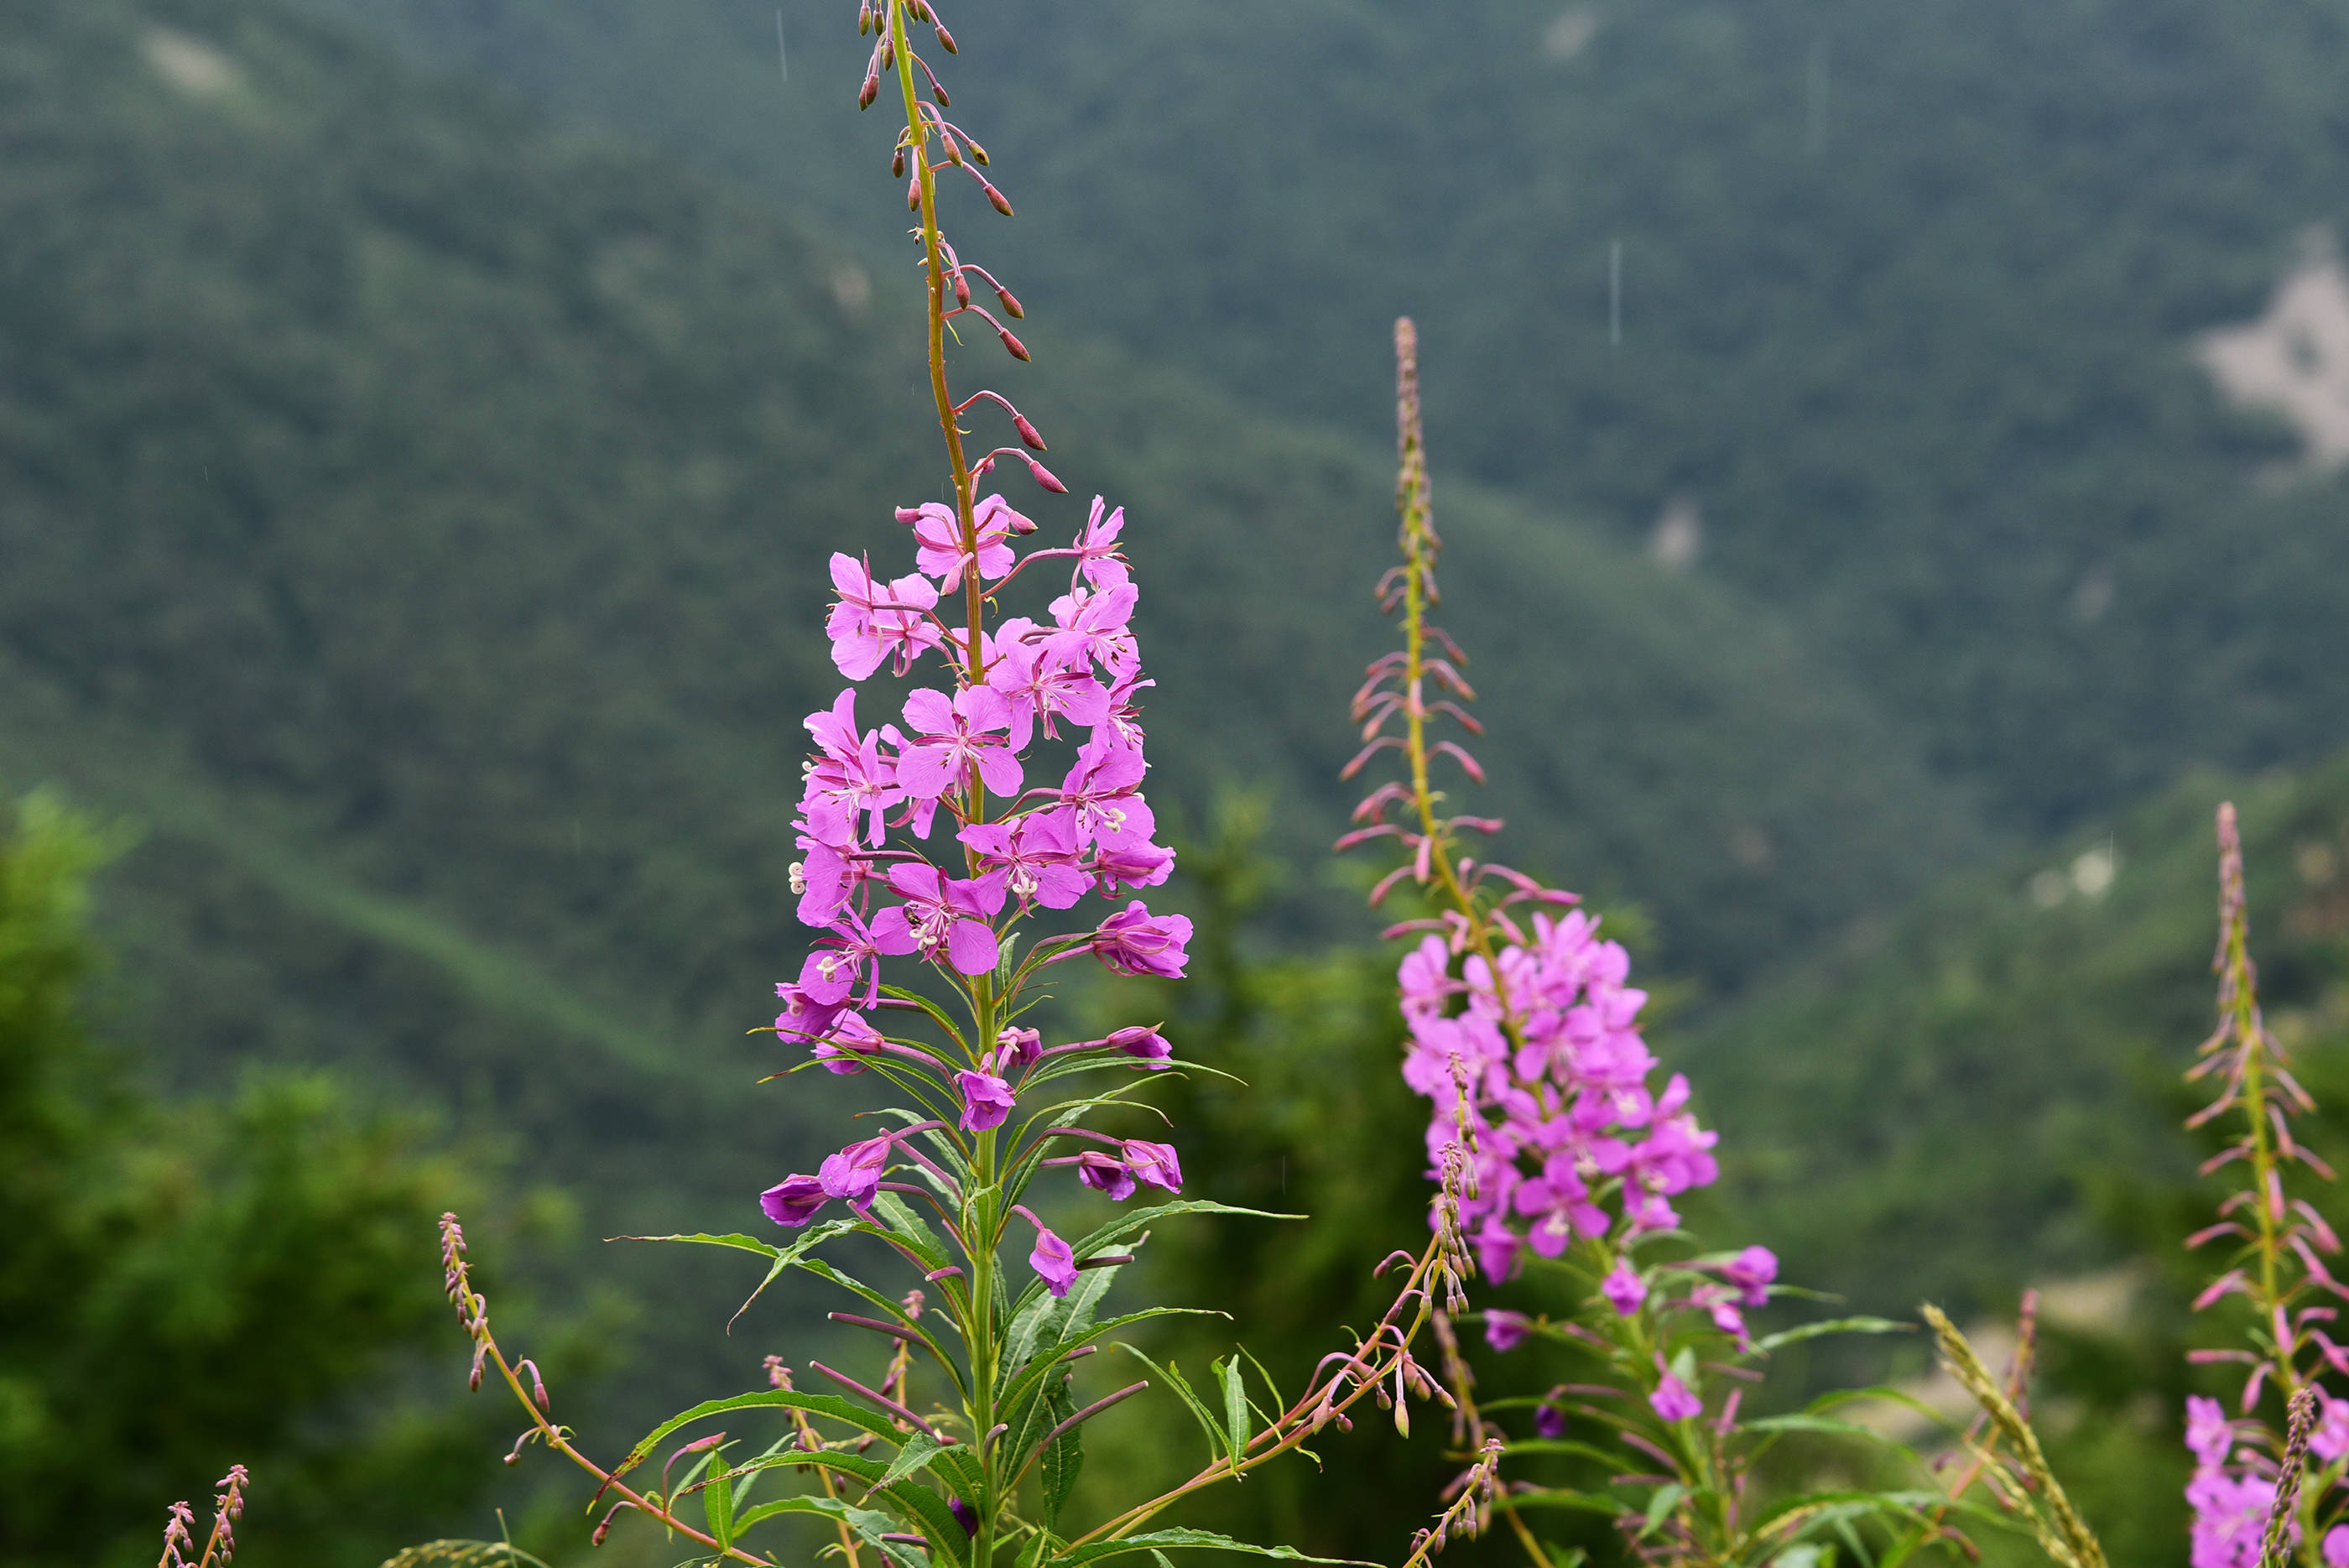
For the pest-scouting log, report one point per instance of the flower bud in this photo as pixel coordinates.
(996, 198)
(1017, 349)
(920, 12)
(1027, 436)
(888, 51)
(869, 91)
(1011, 306)
(954, 151)
(1020, 525)
(914, 195)
(897, 163)
(946, 39)
(1042, 475)
(939, 93)
(863, 17)
(962, 289)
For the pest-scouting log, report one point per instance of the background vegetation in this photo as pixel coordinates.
(420, 423)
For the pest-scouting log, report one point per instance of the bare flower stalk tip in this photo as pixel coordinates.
(2249, 1505)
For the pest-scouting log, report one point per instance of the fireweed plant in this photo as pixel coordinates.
(2271, 1479)
(948, 862)
(1565, 1160)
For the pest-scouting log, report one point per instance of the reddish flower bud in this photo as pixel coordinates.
(954, 152)
(869, 91)
(1043, 477)
(897, 163)
(1027, 432)
(962, 289)
(914, 195)
(1018, 349)
(1011, 306)
(946, 39)
(996, 200)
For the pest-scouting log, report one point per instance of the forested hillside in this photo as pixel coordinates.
(414, 515)
(1906, 294)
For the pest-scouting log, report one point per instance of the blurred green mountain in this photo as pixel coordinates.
(1906, 294)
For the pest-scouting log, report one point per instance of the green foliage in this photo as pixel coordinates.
(191, 1283)
(2010, 1047)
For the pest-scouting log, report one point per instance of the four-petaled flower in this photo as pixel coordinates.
(986, 1101)
(1134, 941)
(941, 918)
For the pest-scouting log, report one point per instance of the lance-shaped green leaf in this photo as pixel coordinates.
(920, 1509)
(1236, 1406)
(717, 1502)
(867, 1523)
(781, 1257)
(1660, 1507)
(1796, 1335)
(911, 1229)
(1158, 1539)
(914, 1457)
(828, 1406)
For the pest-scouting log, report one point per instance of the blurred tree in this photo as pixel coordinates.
(187, 1285)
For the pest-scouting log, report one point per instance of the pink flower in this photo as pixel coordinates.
(854, 1174)
(1099, 798)
(943, 920)
(850, 777)
(1105, 1173)
(1051, 1259)
(1673, 1401)
(1096, 548)
(1037, 855)
(873, 620)
(1020, 1045)
(951, 742)
(1091, 629)
(937, 534)
(986, 1101)
(1505, 1330)
(1132, 865)
(1133, 941)
(1750, 1272)
(1146, 1044)
(794, 1200)
(851, 1040)
(2335, 1547)
(1624, 1289)
(1153, 1163)
(830, 973)
(1038, 689)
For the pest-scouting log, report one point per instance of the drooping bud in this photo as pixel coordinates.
(954, 151)
(897, 163)
(1011, 306)
(863, 17)
(962, 289)
(914, 195)
(946, 39)
(978, 153)
(1020, 525)
(1017, 349)
(1043, 476)
(888, 51)
(1028, 435)
(869, 91)
(995, 199)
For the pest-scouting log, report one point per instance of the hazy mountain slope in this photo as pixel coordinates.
(459, 492)
(1906, 294)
